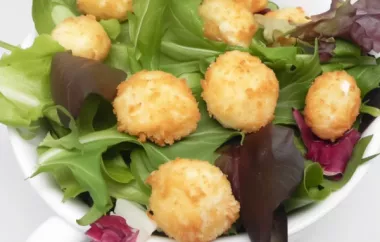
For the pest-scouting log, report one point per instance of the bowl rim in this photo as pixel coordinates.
(73, 209)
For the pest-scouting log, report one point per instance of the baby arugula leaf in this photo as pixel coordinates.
(112, 27)
(47, 14)
(367, 77)
(184, 39)
(310, 189)
(145, 37)
(291, 96)
(295, 82)
(118, 57)
(25, 85)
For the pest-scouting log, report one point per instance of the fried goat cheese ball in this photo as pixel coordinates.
(84, 36)
(240, 91)
(192, 200)
(106, 9)
(332, 105)
(228, 21)
(254, 5)
(157, 106)
(292, 15)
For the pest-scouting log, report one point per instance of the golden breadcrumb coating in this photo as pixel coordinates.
(192, 200)
(228, 21)
(156, 105)
(332, 104)
(254, 5)
(240, 91)
(292, 15)
(84, 36)
(106, 9)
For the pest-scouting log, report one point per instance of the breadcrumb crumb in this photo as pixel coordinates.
(192, 200)
(332, 104)
(240, 91)
(157, 106)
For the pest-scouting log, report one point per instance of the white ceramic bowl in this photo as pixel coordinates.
(71, 210)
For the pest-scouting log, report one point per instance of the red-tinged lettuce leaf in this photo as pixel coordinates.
(112, 228)
(264, 171)
(333, 157)
(74, 78)
(358, 22)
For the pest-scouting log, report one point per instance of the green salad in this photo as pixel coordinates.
(209, 117)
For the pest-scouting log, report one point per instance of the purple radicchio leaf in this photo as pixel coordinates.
(358, 22)
(263, 171)
(333, 157)
(73, 78)
(112, 228)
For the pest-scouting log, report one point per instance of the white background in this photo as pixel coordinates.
(21, 210)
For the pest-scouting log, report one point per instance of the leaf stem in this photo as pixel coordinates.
(7, 46)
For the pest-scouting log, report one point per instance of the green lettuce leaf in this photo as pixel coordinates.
(96, 169)
(69, 185)
(116, 169)
(25, 83)
(47, 14)
(67, 140)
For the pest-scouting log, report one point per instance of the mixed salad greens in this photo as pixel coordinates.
(273, 172)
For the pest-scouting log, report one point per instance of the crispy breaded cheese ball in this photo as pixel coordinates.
(332, 104)
(240, 91)
(157, 106)
(228, 21)
(292, 15)
(254, 5)
(84, 36)
(106, 9)
(192, 200)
